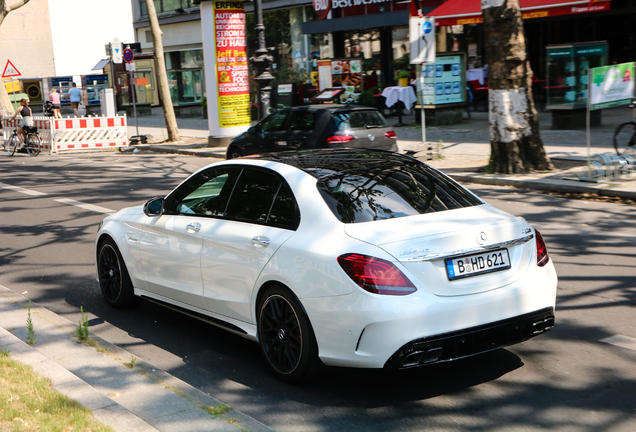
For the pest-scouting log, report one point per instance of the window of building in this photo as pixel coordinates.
(185, 75)
(166, 6)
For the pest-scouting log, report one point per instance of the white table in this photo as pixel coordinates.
(404, 94)
(476, 75)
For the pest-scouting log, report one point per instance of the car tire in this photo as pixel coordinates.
(233, 153)
(113, 276)
(286, 337)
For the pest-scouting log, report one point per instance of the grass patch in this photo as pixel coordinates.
(29, 403)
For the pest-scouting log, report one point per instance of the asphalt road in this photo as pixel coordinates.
(565, 380)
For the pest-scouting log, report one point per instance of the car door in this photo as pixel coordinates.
(300, 128)
(261, 215)
(270, 134)
(171, 244)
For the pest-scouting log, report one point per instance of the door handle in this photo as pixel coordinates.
(260, 241)
(194, 227)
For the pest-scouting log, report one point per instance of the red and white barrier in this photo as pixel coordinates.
(42, 123)
(89, 133)
(75, 134)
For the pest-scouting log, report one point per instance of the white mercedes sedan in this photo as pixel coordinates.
(354, 258)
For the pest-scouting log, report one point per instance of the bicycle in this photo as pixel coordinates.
(625, 136)
(33, 144)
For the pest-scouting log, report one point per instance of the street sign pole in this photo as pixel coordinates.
(15, 105)
(129, 57)
(422, 40)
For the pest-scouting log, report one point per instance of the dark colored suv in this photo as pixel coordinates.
(316, 126)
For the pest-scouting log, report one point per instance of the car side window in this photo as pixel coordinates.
(284, 212)
(274, 122)
(206, 194)
(263, 198)
(301, 121)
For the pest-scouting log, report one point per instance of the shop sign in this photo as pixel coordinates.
(611, 86)
(231, 63)
(322, 8)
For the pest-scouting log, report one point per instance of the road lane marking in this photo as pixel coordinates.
(621, 341)
(22, 190)
(84, 206)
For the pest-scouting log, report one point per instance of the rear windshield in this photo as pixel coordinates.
(358, 120)
(368, 194)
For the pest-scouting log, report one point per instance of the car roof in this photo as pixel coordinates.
(333, 108)
(327, 162)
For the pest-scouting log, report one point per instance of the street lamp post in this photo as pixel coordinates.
(261, 62)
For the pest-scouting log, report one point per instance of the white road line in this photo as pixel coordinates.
(22, 190)
(90, 207)
(621, 341)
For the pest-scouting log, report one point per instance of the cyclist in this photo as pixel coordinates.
(27, 119)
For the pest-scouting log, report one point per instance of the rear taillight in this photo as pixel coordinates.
(339, 139)
(542, 251)
(376, 275)
(390, 134)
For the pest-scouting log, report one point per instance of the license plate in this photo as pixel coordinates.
(473, 265)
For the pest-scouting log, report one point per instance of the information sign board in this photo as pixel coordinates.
(116, 51)
(611, 86)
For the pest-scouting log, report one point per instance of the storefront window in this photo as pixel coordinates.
(144, 87)
(185, 71)
(185, 86)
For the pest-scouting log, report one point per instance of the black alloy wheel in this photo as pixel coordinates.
(114, 280)
(286, 337)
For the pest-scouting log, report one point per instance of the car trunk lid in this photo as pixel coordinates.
(422, 244)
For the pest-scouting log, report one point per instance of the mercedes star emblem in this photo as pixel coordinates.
(481, 238)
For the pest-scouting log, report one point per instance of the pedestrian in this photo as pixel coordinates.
(27, 119)
(75, 94)
(54, 97)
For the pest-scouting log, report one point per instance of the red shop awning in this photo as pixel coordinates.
(458, 12)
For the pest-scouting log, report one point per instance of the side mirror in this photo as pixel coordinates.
(154, 207)
(251, 131)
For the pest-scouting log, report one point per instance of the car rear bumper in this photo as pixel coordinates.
(472, 341)
(367, 330)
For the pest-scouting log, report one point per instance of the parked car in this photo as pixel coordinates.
(358, 258)
(316, 126)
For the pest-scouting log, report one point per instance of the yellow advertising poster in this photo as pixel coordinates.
(231, 63)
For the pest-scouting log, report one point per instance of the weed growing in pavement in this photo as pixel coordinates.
(131, 363)
(217, 410)
(4, 353)
(30, 331)
(82, 328)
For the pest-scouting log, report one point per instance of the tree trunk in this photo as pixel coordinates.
(164, 89)
(515, 142)
(6, 108)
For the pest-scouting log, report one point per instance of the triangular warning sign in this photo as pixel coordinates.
(10, 70)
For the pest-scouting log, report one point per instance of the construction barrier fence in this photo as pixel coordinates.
(75, 134)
